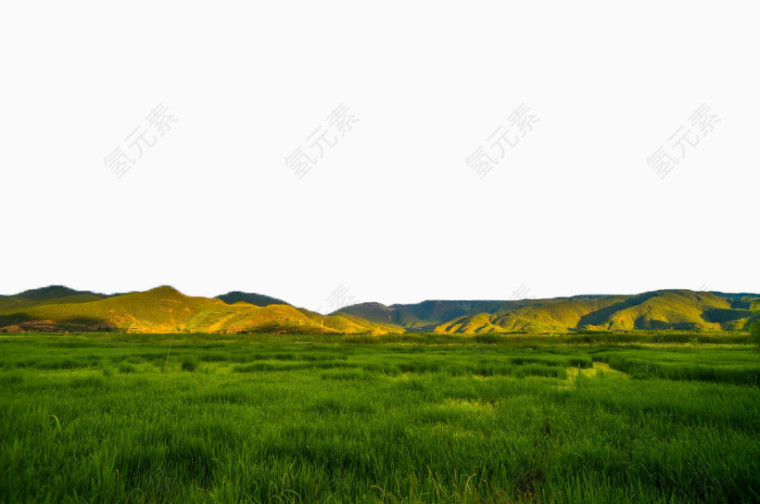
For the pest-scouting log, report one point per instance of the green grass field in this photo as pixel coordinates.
(309, 419)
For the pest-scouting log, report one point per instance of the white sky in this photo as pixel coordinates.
(391, 212)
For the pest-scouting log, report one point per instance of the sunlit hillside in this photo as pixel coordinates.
(166, 310)
(657, 310)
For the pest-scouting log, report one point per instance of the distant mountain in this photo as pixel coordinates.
(738, 295)
(427, 315)
(250, 298)
(166, 310)
(47, 295)
(53, 292)
(665, 309)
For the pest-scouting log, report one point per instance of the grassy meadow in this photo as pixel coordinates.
(412, 418)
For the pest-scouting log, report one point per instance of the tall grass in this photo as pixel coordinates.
(403, 419)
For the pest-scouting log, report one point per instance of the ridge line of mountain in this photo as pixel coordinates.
(165, 309)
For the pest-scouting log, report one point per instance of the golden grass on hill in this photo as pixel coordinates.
(166, 310)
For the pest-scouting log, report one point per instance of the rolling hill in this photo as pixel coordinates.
(250, 298)
(47, 295)
(657, 310)
(427, 315)
(166, 310)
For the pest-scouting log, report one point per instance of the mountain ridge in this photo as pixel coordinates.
(678, 309)
(251, 298)
(164, 309)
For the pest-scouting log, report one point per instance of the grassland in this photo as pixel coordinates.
(405, 418)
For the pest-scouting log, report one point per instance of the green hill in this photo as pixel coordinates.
(347, 323)
(166, 310)
(668, 310)
(658, 310)
(250, 298)
(425, 315)
(46, 295)
(556, 316)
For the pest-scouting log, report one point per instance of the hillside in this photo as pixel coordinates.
(166, 310)
(46, 295)
(556, 316)
(657, 310)
(250, 298)
(427, 315)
